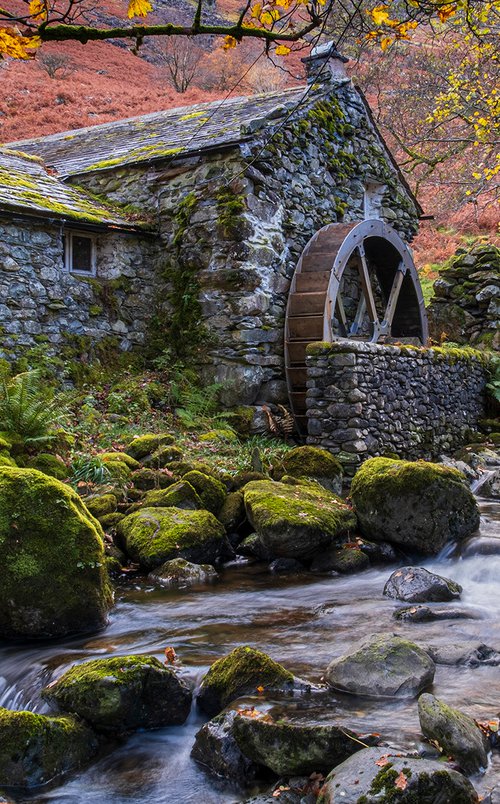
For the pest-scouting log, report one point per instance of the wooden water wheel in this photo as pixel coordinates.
(355, 281)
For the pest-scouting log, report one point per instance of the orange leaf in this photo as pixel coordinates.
(260, 690)
(382, 761)
(170, 655)
(401, 782)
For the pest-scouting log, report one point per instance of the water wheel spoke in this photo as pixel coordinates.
(358, 318)
(366, 286)
(340, 315)
(386, 324)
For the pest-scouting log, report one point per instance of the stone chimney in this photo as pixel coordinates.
(325, 64)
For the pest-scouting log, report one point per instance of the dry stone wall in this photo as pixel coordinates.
(40, 302)
(368, 399)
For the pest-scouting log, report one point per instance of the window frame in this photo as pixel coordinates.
(68, 252)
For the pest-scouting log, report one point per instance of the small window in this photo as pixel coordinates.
(79, 251)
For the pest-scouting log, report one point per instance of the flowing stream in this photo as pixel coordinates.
(303, 622)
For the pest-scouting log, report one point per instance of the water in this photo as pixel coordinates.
(303, 622)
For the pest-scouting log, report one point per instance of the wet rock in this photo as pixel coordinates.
(294, 521)
(426, 614)
(293, 748)
(181, 573)
(490, 487)
(456, 733)
(35, 749)
(244, 671)
(210, 490)
(419, 506)
(286, 566)
(471, 655)
(378, 552)
(232, 514)
(384, 667)
(54, 579)
(418, 585)
(340, 559)
(316, 464)
(295, 790)
(216, 749)
(122, 694)
(369, 777)
(252, 547)
(152, 536)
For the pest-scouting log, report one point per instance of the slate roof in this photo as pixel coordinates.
(163, 135)
(27, 187)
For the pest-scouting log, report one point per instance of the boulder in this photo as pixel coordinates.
(385, 667)
(154, 535)
(294, 521)
(54, 579)
(316, 464)
(140, 446)
(179, 495)
(252, 547)
(35, 749)
(181, 573)
(48, 464)
(216, 749)
(244, 671)
(419, 506)
(426, 614)
(211, 491)
(418, 585)
(286, 566)
(292, 748)
(122, 457)
(468, 655)
(101, 504)
(379, 776)
(149, 479)
(455, 732)
(340, 559)
(162, 457)
(232, 514)
(122, 694)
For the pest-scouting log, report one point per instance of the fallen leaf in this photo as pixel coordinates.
(382, 761)
(260, 690)
(170, 655)
(401, 782)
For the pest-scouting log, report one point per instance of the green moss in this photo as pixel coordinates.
(143, 445)
(61, 545)
(50, 465)
(311, 462)
(35, 749)
(155, 535)
(230, 206)
(122, 457)
(399, 477)
(232, 513)
(101, 504)
(179, 495)
(240, 673)
(211, 491)
(162, 457)
(119, 471)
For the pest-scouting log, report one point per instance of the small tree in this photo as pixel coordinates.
(180, 57)
(54, 63)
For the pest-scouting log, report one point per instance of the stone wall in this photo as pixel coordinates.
(40, 302)
(368, 399)
(234, 224)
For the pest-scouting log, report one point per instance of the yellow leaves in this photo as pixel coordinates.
(282, 50)
(17, 46)
(38, 9)
(379, 15)
(229, 43)
(256, 11)
(269, 17)
(139, 8)
(445, 12)
(385, 41)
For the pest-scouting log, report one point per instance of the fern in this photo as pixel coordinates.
(25, 409)
(198, 407)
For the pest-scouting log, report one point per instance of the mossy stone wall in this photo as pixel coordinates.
(366, 399)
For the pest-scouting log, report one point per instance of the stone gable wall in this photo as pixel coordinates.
(256, 208)
(367, 399)
(40, 302)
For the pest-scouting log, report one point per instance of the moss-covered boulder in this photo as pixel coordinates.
(6, 459)
(455, 732)
(239, 480)
(122, 694)
(110, 521)
(315, 463)
(122, 457)
(154, 535)
(294, 521)
(143, 445)
(345, 560)
(149, 479)
(120, 473)
(370, 777)
(179, 495)
(50, 465)
(383, 667)
(232, 514)
(162, 457)
(101, 504)
(211, 491)
(35, 749)
(244, 671)
(419, 506)
(182, 573)
(54, 581)
(289, 748)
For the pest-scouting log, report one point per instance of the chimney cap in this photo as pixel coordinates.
(325, 51)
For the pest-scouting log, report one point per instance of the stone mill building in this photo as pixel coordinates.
(189, 226)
